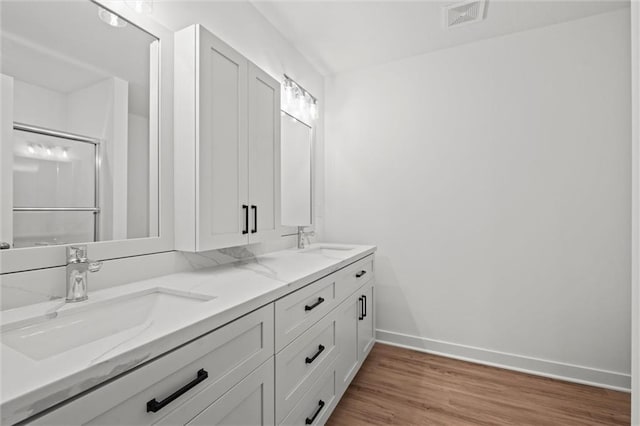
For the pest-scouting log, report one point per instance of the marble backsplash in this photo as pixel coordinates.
(29, 287)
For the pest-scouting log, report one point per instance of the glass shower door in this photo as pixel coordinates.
(55, 187)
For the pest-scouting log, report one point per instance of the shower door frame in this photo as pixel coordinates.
(97, 165)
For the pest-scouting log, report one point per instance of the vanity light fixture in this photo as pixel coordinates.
(298, 102)
(111, 18)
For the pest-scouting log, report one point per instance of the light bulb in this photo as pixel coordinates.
(141, 6)
(31, 149)
(65, 153)
(302, 103)
(313, 109)
(288, 92)
(111, 18)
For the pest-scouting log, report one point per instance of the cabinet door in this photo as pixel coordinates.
(366, 321)
(347, 315)
(250, 402)
(222, 186)
(264, 155)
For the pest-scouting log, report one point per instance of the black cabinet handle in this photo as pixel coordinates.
(255, 219)
(361, 273)
(309, 360)
(310, 420)
(155, 406)
(246, 219)
(360, 314)
(364, 306)
(310, 307)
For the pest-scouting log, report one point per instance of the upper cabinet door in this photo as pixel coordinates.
(222, 140)
(227, 146)
(264, 155)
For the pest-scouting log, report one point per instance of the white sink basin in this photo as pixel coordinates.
(328, 249)
(76, 325)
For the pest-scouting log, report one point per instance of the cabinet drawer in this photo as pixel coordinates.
(317, 404)
(225, 355)
(250, 402)
(299, 310)
(349, 279)
(299, 365)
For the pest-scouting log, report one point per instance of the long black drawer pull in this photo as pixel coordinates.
(364, 306)
(155, 406)
(310, 420)
(309, 360)
(361, 273)
(246, 219)
(361, 313)
(310, 307)
(255, 219)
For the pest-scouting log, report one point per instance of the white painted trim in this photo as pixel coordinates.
(635, 213)
(524, 364)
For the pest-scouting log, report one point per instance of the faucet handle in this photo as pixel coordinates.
(94, 266)
(76, 253)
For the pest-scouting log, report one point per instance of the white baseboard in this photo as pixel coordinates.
(540, 367)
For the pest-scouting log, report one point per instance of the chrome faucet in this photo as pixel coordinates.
(302, 236)
(77, 267)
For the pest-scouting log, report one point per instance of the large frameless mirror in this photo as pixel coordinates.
(296, 168)
(79, 149)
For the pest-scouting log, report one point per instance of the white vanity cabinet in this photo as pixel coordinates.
(324, 332)
(288, 362)
(226, 148)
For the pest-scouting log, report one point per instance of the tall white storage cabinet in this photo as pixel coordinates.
(227, 145)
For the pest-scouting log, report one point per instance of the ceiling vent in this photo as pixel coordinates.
(466, 12)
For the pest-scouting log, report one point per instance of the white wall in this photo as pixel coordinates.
(495, 178)
(38, 106)
(138, 177)
(101, 111)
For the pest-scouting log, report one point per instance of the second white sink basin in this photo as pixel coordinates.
(73, 326)
(328, 249)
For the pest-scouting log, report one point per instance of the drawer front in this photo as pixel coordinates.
(225, 355)
(250, 402)
(299, 310)
(299, 365)
(317, 404)
(352, 277)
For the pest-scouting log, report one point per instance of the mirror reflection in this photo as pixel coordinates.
(296, 138)
(79, 145)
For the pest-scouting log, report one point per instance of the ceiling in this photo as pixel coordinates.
(64, 46)
(337, 36)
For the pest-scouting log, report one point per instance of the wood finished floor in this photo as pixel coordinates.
(404, 387)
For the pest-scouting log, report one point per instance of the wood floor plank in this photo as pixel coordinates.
(397, 386)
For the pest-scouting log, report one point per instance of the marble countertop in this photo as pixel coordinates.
(30, 386)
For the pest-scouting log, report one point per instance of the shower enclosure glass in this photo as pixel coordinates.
(55, 187)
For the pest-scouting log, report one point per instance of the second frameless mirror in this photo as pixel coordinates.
(79, 124)
(296, 162)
